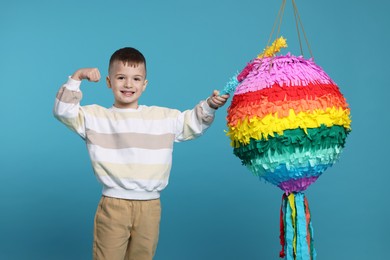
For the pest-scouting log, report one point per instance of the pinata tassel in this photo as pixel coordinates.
(282, 253)
(296, 231)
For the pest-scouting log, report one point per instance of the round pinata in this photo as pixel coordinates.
(288, 123)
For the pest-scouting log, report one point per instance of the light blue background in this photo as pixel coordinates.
(213, 208)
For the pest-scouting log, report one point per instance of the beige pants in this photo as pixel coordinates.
(126, 229)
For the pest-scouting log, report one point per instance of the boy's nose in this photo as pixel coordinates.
(127, 84)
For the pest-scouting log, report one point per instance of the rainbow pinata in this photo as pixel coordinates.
(287, 120)
(288, 123)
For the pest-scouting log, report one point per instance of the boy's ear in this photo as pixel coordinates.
(145, 84)
(108, 82)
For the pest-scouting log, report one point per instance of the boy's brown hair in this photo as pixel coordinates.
(128, 55)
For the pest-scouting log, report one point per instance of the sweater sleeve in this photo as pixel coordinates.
(67, 107)
(193, 123)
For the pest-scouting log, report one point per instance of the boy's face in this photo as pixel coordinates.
(127, 83)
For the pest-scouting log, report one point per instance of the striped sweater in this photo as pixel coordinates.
(130, 149)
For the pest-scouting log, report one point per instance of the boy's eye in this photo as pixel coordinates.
(121, 78)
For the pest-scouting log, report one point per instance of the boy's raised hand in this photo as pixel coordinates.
(90, 74)
(216, 101)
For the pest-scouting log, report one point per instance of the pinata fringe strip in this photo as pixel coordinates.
(279, 92)
(300, 158)
(261, 128)
(296, 231)
(286, 70)
(281, 99)
(321, 137)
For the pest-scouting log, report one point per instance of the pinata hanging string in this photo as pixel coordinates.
(298, 19)
(298, 24)
(278, 21)
(296, 16)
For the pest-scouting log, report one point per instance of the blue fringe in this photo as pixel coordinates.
(230, 86)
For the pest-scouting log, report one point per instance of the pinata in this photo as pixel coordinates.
(287, 123)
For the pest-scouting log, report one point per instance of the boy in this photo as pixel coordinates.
(130, 146)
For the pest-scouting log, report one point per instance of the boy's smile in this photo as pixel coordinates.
(127, 82)
(127, 93)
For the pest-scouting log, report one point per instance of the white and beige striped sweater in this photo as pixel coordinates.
(130, 149)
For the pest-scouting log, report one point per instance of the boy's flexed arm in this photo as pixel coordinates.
(67, 107)
(90, 74)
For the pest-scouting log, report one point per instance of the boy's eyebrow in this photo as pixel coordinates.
(139, 75)
(136, 75)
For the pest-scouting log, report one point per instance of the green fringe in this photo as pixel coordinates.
(315, 138)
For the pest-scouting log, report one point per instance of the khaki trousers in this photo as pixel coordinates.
(126, 229)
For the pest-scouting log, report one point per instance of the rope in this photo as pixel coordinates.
(296, 15)
(303, 30)
(298, 23)
(279, 23)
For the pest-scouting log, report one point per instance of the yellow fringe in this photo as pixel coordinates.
(274, 48)
(259, 128)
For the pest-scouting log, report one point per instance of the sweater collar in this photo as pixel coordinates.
(124, 110)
